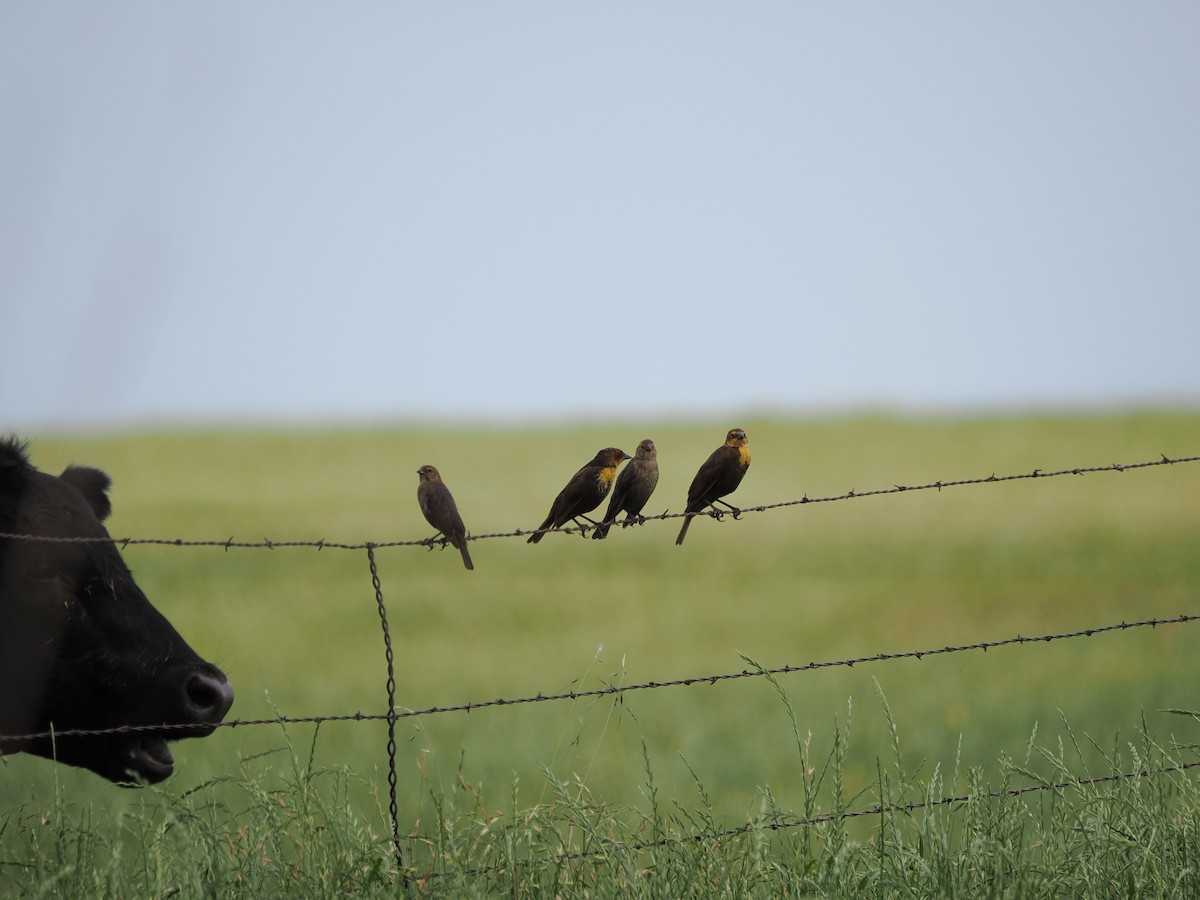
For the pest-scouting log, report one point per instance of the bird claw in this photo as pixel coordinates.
(720, 514)
(439, 539)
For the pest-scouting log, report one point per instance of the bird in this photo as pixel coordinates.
(440, 511)
(633, 488)
(583, 492)
(721, 473)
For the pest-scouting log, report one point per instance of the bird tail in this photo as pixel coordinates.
(683, 531)
(534, 538)
(465, 555)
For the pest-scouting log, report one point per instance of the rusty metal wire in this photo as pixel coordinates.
(267, 544)
(826, 818)
(887, 808)
(616, 690)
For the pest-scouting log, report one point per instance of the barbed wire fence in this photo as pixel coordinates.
(392, 715)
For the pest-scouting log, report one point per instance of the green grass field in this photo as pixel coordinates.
(298, 633)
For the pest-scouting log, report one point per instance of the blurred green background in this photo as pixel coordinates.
(297, 629)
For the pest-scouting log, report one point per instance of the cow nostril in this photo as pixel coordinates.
(209, 697)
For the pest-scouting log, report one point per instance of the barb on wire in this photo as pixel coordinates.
(268, 544)
(645, 685)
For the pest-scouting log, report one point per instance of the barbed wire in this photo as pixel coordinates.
(322, 544)
(620, 689)
(826, 818)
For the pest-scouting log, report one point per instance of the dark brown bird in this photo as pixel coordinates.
(634, 486)
(720, 475)
(584, 491)
(441, 512)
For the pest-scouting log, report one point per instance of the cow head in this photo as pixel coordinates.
(80, 645)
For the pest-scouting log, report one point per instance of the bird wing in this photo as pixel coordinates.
(708, 479)
(620, 490)
(571, 498)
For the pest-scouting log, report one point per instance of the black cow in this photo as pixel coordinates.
(80, 645)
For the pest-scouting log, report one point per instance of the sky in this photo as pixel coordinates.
(493, 212)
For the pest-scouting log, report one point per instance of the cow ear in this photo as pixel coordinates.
(14, 458)
(14, 473)
(93, 484)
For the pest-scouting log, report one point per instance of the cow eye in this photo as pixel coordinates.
(41, 569)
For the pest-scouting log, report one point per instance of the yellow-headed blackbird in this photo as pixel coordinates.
(634, 486)
(441, 512)
(720, 475)
(584, 491)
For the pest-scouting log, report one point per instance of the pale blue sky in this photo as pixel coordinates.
(512, 210)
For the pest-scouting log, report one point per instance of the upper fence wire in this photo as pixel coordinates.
(268, 544)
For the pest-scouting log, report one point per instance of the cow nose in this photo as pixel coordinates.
(208, 696)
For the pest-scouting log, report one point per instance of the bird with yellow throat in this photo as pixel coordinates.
(720, 475)
(584, 492)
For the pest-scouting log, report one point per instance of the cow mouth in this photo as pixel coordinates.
(149, 759)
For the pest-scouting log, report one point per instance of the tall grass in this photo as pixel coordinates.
(283, 825)
(493, 799)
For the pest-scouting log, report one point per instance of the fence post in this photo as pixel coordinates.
(391, 709)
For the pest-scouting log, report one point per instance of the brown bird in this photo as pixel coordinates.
(720, 475)
(634, 486)
(441, 512)
(584, 491)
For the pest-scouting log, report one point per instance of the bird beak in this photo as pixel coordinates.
(626, 456)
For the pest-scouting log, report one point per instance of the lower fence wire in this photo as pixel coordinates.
(391, 709)
(823, 819)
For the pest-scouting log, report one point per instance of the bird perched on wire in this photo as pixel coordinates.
(633, 488)
(721, 473)
(584, 491)
(440, 511)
